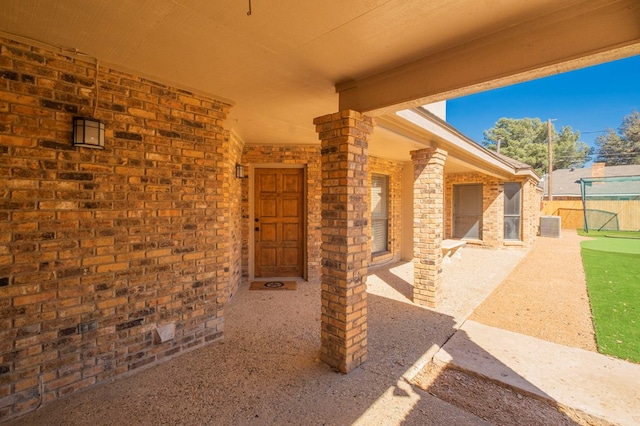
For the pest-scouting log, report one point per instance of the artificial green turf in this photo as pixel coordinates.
(613, 282)
(613, 245)
(613, 234)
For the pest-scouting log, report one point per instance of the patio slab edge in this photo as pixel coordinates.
(595, 384)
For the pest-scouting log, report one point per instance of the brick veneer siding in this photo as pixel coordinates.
(394, 171)
(100, 247)
(532, 199)
(493, 208)
(428, 202)
(236, 185)
(345, 238)
(309, 156)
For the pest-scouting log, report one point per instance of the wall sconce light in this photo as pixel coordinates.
(239, 171)
(88, 132)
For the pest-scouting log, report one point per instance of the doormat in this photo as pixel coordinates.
(273, 285)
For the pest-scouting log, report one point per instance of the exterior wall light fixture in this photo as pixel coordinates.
(88, 132)
(239, 171)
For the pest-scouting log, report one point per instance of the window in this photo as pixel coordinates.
(512, 208)
(467, 211)
(379, 213)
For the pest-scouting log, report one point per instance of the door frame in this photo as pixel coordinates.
(252, 201)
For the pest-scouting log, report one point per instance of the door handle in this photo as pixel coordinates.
(257, 228)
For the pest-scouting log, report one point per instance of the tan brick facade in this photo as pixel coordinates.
(281, 156)
(309, 156)
(101, 247)
(493, 208)
(532, 201)
(236, 186)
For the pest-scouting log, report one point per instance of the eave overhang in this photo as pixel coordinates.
(428, 130)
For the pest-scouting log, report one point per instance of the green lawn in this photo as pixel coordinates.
(612, 269)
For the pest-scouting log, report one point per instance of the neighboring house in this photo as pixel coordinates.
(566, 182)
(614, 199)
(115, 259)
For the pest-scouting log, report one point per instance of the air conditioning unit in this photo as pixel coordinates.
(550, 226)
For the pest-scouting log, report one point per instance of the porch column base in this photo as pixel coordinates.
(428, 218)
(345, 238)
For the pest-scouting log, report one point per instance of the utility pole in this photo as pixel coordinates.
(550, 161)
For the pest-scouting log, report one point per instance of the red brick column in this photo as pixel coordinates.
(345, 238)
(428, 222)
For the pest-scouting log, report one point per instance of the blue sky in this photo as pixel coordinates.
(589, 100)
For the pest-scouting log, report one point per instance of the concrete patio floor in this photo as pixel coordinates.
(266, 370)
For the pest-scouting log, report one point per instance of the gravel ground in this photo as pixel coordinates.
(545, 296)
(266, 370)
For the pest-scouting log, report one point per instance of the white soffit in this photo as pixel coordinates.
(457, 146)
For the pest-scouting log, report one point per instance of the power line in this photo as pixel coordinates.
(632, 155)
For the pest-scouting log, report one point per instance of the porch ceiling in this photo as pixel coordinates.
(281, 65)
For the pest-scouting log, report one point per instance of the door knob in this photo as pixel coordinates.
(257, 228)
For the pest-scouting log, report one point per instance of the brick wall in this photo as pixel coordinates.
(493, 208)
(309, 156)
(532, 200)
(236, 246)
(101, 247)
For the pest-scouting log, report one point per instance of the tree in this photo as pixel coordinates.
(623, 147)
(525, 139)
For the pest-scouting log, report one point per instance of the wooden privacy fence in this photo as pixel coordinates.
(572, 216)
(570, 212)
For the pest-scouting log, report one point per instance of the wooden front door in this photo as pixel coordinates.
(279, 223)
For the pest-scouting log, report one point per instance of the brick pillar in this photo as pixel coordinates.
(428, 224)
(530, 215)
(345, 238)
